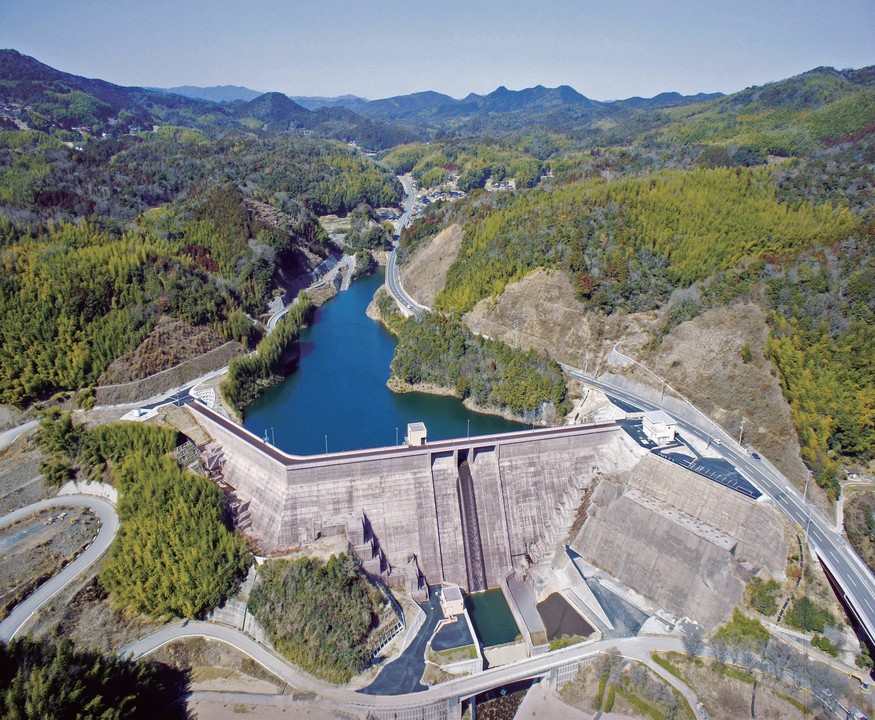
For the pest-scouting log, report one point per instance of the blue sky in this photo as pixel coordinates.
(606, 50)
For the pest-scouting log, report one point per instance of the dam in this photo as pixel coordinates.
(468, 511)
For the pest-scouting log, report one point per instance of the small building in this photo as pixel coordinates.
(416, 434)
(659, 427)
(451, 600)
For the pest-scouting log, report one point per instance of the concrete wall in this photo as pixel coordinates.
(409, 495)
(680, 540)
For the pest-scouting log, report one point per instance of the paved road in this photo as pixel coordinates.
(7, 437)
(403, 675)
(325, 272)
(857, 582)
(462, 687)
(408, 305)
(108, 528)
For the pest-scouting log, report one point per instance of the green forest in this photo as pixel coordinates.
(69, 449)
(174, 555)
(629, 243)
(437, 350)
(251, 375)
(95, 245)
(41, 679)
(317, 615)
(473, 162)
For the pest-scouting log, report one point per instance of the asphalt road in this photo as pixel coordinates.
(393, 275)
(108, 528)
(462, 687)
(403, 675)
(849, 571)
(7, 437)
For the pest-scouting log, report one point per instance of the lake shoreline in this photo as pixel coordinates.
(396, 385)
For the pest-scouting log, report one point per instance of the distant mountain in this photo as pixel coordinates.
(559, 108)
(667, 100)
(56, 97)
(277, 109)
(216, 93)
(350, 102)
(52, 99)
(538, 98)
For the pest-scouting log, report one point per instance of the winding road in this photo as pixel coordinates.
(408, 305)
(109, 524)
(637, 648)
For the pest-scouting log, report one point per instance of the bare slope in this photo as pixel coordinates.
(425, 272)
(701, 358)
(685, 542)
(171, 342)
(541, 311)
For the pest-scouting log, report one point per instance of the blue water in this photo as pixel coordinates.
(491, 617)
(338, 397)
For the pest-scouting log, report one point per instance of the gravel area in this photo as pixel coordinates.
(36, 548)
(20, 480)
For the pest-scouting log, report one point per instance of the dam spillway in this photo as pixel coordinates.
(525, 487)
(473, 546)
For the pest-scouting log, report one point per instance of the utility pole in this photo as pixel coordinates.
(741, 431)
(326, 444)
(396, 436)
(469, 427)
(272, 438)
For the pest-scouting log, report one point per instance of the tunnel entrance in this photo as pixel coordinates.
(471, 542)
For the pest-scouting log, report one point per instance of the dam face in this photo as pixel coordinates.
(465, 511)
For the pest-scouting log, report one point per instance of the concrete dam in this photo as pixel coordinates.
(466, 511)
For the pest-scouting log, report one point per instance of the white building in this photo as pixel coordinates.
(416, 434)
(451, 600)
(659, 427)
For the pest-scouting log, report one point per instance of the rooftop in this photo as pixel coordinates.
(660, 416)
(451, 593)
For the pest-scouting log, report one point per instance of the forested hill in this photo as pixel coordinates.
(765, 194)
(107, 224)
(54, 101)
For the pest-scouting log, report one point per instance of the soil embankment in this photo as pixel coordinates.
(702, 358)
(425, 272)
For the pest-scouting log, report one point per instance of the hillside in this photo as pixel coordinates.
(73, 107)
(425, 272)
(741, 266)
(107, 241)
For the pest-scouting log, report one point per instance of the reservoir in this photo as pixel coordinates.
(338, 396)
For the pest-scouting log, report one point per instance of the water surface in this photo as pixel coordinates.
(491, 617)
(337, 397)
